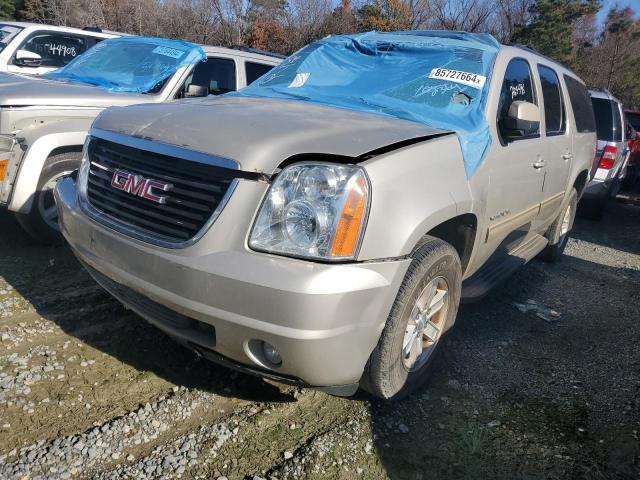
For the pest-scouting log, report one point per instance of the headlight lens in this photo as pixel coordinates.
(313, 210)
(83, 171)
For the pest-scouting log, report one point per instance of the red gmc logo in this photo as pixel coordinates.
(138, 185)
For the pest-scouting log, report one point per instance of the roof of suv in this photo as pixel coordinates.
(90, 32)
(602, 93)
(247, 55)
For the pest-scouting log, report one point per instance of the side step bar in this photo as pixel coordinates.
(496, 271)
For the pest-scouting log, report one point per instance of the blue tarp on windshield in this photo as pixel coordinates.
(439, 79)
(130, 64)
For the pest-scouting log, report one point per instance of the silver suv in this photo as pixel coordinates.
(44, 119)
(612, 153)
(321, 226)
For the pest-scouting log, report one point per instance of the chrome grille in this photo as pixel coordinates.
(196, 191)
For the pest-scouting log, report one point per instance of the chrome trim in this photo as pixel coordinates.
(163, 149)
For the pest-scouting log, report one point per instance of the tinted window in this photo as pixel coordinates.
(603, 110)
(552, 97)
(255, 70)
(581, 105)
(217, 74)
(56, 49)
(634, 120)
(617, 122)
(517, 85)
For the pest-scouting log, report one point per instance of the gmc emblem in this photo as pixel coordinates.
(138, 185)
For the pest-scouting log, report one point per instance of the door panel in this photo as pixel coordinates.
(516, 183)
(559, 153)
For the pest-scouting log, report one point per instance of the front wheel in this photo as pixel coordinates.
(42, 220)
(425, 308)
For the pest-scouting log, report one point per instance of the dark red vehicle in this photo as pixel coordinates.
(633, 167)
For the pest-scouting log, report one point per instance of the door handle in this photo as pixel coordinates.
(567, 156)
(538, 164)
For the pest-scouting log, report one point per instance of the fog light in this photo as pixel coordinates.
(271, 354)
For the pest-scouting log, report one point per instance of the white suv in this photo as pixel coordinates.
(35, 49)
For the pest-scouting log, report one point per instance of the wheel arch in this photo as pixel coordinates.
(33, 161)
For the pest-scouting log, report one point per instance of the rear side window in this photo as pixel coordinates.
(517, 85)
(617, 122)
(255, 70)
(554, 114)
(581, 105)
(218, 75)
(603, 110)
(56, 49)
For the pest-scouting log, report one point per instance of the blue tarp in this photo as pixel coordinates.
(436, 78)
(130, 64)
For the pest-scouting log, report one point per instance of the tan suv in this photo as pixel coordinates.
(321, 226)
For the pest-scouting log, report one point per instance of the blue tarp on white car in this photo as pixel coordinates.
(130, 64)
(436, 78)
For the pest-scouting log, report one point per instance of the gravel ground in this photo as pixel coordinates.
(89, 390)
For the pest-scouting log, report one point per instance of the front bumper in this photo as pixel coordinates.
(324, 320)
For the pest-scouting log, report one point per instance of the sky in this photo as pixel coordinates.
(609, 4)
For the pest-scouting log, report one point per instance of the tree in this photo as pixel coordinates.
(384, 15)
(7, 9)
(551, 26)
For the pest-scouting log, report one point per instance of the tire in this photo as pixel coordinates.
(41, 222)
(558, 233)
(387, 374)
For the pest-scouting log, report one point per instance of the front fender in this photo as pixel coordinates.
(39, 145)
(413, 190)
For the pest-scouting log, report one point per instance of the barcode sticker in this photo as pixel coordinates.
(466, 78)
(168, 52)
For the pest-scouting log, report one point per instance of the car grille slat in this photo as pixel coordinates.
(195, 191)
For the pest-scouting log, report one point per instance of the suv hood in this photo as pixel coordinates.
(25, 90)
(260, 133)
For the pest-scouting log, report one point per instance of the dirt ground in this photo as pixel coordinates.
(89, 390)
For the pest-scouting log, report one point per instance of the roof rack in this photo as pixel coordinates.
(93, 29)
(244, 48)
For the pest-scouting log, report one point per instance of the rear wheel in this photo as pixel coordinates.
(424, 309)
(558, 233)
(42, 221)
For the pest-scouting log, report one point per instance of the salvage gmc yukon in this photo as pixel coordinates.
(321, 226)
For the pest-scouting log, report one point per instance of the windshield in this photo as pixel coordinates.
(438, 78)
(130, 64)
(7, 33)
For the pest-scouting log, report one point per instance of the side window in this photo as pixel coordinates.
(517, 85)
(255, 70)
(581, 105)
(56, 49)
(217, 75)
(554, 113)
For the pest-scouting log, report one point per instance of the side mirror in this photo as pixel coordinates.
(196, 91)
(522, 120)
(25, 58)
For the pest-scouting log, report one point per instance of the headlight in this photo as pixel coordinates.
(83, 171)
(314, 210)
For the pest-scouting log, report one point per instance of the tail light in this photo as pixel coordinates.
(608, 159)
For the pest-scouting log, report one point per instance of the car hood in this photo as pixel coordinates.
(26, 90)
(261, 133)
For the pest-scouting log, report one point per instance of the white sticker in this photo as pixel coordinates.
(601, 174)
(168, 52)
(299, 80)
(466, 78)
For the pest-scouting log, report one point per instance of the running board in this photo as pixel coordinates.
(496, 271)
